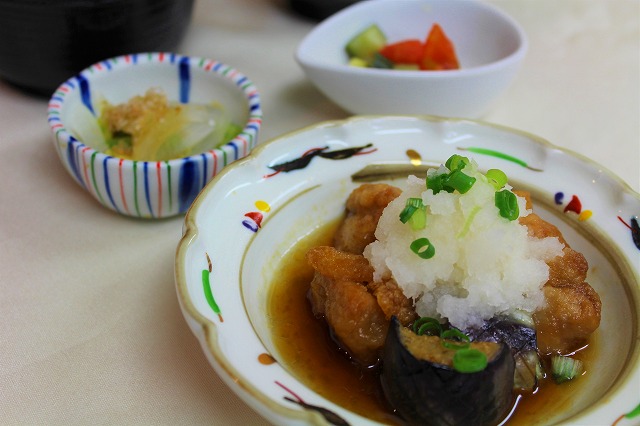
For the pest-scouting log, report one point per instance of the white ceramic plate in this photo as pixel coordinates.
(243, 223)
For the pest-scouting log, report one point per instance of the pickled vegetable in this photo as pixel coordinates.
(369, 48)
(366, 43)
(151, 128)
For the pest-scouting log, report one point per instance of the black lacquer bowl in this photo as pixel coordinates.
(44, 42)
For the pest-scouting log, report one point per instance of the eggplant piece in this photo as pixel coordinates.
(518, 337)
(428, 392)
(524, 348)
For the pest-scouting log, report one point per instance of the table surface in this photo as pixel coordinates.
(91, 331)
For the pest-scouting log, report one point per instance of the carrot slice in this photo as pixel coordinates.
(438, 53)
(404, 52)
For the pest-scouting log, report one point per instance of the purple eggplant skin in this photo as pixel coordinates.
(518, 337)
(524, 346)
(426, 393)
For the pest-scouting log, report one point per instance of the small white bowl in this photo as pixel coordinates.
(490, 46)
(150, 189)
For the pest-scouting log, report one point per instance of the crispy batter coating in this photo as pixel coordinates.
(571, 315)
(573, 307)
(340, 265)
(356, 319)
(364, 207)
(393, 302)
(337, 266)
(358, 310)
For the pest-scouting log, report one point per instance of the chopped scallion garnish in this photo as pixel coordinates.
(436, 182)
(465, 359)
(469, 361)
(419, 219)
(427, 325)
(456, 162)
(423, 248)
(467, 223)
(564, 368)
(459, 181)
(497, 178)
(454, 339)
(411, 206)
(507, 202)
(455, 180)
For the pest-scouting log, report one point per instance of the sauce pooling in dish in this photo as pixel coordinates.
(455, 293)
(306, 349)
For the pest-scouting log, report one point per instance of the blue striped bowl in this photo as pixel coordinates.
(151, 189)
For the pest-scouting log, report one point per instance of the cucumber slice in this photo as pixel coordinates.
(366, 43)
(379, 61)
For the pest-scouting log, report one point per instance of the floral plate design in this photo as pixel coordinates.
(255, 210)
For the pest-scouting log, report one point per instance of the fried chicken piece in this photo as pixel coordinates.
(569, 318)
(332, 265)
(393, 302)
(568, 270)
(364, 207)
(573, 308)
(337, 264)
(356, 310)
(356, 319)
(540, 228)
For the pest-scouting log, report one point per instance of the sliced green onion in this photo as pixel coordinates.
(427, 325)
(432, 329)
(564, 368)
(454, 339)
(436, 182)
(507, 202)
(418, 219)
(411, 206)
(467, 223)
(459, 181)
(423, 248)
(497, 178)
(421, 321)
(456, 162)
(415, 202)
(469, 361)
(465, 359)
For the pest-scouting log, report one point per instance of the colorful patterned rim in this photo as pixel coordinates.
(284, 185)
(149, 189)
